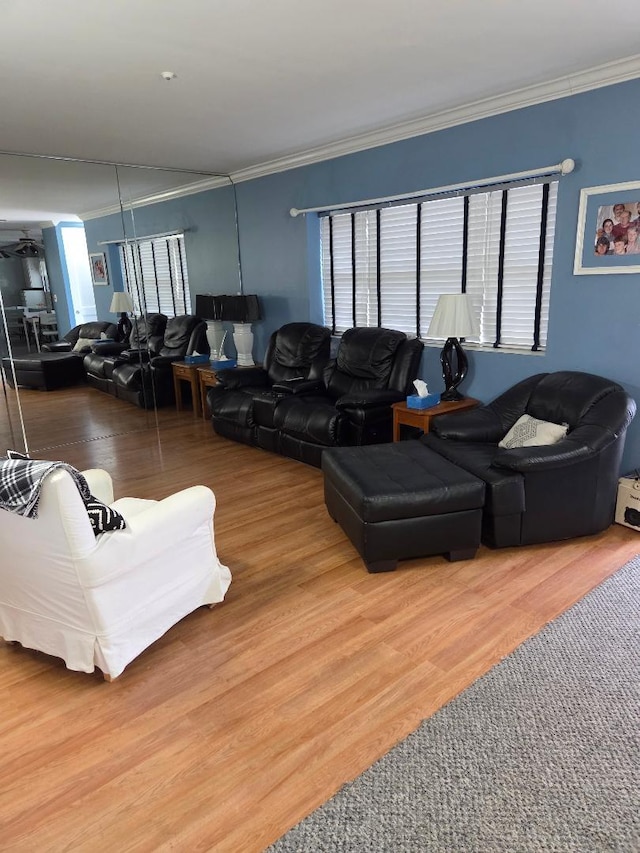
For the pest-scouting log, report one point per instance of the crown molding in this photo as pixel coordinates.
(562, 87)
(177, 192)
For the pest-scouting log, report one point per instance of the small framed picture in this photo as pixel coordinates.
(99, 272)
(608, 238)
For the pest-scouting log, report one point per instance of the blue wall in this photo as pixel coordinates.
(593, 318)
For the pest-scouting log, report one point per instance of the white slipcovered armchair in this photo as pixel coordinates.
(100, 601)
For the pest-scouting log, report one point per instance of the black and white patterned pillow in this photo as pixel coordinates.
(15, 454)
(102, 517)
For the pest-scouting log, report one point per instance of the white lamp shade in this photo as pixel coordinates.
(454, 317)
(121, 301)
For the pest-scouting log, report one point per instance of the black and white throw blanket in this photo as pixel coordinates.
(21, 483)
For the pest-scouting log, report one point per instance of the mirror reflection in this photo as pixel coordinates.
(90, 276)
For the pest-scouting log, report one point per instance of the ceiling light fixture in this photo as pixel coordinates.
(168, 75)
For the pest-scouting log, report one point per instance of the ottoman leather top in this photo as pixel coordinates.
(382, 482)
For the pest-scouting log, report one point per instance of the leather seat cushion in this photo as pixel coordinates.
(505, 489)
(403, 480)
(313, 419)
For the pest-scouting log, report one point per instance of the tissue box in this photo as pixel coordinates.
(416, 402)
(224, 364)
(196, 359)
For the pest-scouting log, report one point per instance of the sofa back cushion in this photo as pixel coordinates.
(183, 335)
(148, 331)
(294, 348)
(364, 360)
(567, 396)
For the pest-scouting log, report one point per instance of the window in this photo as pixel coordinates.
(387, 266)
(155, 272)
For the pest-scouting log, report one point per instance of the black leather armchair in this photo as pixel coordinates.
(144, 341)
(351, 404)
(90, 331)
(243, 402)
(551, 492)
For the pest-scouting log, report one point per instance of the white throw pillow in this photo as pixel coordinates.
(83, 343)
(532, 432)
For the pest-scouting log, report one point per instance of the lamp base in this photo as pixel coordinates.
(215, 338)
(243, 339)
(451, 379)
(124, 327)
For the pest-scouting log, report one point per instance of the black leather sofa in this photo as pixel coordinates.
(345, 402)
(243, 402)
(144, 341)
(351, 404)
(142, 373)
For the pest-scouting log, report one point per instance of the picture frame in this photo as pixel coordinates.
(99, 272)
(602, 240)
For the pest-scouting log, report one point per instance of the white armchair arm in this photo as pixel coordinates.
(100, 484)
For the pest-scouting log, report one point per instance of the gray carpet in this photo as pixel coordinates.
(540, 754)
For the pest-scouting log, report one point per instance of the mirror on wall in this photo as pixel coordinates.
(70, 227)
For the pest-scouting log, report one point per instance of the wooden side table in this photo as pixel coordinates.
(183, 372)
(421, 418)
(206, 379)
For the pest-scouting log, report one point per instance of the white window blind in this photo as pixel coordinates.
(155, 272)
(396, 261)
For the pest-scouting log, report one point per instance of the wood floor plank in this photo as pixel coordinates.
(243, 718)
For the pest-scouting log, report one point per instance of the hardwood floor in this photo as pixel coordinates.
(244, 718)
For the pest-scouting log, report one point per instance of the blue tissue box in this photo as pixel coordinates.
(196, 359)
(416, 402)
(226, 364)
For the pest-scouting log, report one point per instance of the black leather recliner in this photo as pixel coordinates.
(183, 335)
(243, 402)
(544, 493)
(144, 342)
(351, 405)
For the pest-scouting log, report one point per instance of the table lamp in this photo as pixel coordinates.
(242, 311)
(209, 307)
(121, 303)
(453, 318)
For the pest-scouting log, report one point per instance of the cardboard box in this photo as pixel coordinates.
(414, 401)
(628, 503)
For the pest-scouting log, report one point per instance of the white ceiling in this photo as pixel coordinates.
(263, 84)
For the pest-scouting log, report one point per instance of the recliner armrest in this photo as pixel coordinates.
(481, 425)
(248, 377)
(373, 399)
(108, 348)
(298, 386)
(159, 361)
(135, 356)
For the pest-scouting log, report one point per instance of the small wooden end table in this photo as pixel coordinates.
(421, 418)
(206, 379)
(186, 373)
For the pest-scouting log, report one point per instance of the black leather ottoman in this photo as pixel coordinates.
(45, 371)
(397, 501)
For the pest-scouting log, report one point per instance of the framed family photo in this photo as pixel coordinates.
(608, 238)
(98, 264)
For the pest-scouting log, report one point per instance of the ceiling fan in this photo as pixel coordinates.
(27, 247)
